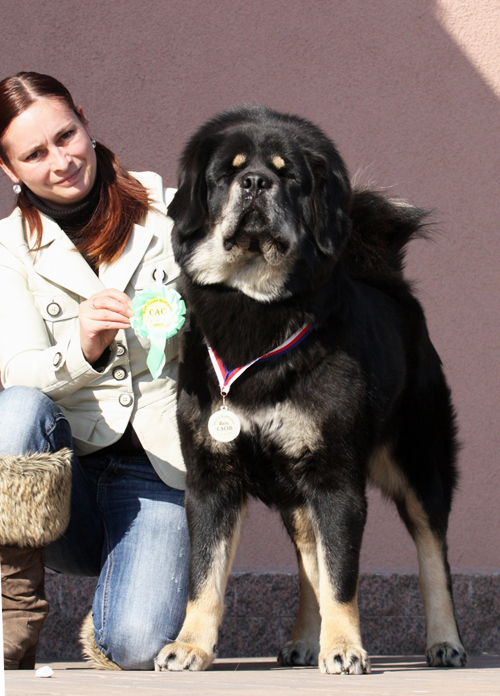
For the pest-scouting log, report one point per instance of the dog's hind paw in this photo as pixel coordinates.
(177, 656)
(299, 652)
(344, 659)
(446, 655)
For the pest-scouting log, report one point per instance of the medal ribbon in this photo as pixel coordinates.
(227, 377)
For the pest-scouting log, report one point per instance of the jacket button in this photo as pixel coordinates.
(120, 349)
(53, 309)
(56, 361)
(119, 373)
(126, 399)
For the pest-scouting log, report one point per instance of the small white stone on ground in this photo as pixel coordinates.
(44, 671)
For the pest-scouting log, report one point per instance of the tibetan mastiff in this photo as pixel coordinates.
(306, 371)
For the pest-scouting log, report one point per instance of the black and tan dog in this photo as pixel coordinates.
(274, 245)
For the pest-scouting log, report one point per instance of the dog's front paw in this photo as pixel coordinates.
(344, 659)
(299, 652)
(180, 656)
(446, 655)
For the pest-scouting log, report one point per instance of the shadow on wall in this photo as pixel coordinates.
(404, 105)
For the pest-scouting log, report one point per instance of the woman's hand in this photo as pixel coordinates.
(100, 318)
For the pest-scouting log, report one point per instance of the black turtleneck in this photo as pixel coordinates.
(72, 219)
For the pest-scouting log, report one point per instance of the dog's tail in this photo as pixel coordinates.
(382, 227)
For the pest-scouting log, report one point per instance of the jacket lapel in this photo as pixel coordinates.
(58, 261)
(118, 274)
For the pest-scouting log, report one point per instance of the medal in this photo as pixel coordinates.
(224, 425)
(158, 314)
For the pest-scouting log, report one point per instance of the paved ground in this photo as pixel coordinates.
(391, 676)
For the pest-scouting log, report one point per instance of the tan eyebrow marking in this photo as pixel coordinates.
(239, 160)
(278, 162)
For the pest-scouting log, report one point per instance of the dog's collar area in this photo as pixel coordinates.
(227, 377)
(224, 425)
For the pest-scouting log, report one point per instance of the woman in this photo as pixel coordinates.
(84, 237)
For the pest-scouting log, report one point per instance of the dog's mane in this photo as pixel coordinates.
(382, 227)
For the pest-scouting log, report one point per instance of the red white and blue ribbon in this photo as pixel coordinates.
(227, 377)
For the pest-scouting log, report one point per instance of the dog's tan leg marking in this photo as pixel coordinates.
(195, 645)
(303, 648)
(444, 648)
(340, 638)
(443, 643)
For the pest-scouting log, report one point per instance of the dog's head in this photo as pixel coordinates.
(263, 198)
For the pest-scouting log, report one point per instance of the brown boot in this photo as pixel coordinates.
(35, 493)
(24, 607)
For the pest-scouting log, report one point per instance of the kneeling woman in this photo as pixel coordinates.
(78, 397)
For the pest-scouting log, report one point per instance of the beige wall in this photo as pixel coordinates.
(408, 90)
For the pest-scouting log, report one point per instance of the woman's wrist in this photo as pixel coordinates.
(100, 364)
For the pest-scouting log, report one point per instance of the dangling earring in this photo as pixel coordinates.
(17, 189)
(93, 143)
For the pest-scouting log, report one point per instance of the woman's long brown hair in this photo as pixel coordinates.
(123, 201)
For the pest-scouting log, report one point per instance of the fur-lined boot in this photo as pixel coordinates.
(35, 495)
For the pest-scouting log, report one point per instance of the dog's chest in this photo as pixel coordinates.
(285, 426)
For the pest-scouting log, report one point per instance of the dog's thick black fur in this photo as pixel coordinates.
(270, 237)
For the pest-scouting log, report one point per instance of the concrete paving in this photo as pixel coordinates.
(391, 676)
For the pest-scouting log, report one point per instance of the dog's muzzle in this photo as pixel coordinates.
(259, 227)
(256, 235)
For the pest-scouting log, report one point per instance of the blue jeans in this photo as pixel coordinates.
(127, 527)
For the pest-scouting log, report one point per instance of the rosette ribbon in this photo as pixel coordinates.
(158, 315)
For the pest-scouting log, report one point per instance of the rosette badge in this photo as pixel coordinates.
(158, 315)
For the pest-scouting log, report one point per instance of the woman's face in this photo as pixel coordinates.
(49, 149)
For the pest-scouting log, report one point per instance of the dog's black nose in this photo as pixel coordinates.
(255, 183)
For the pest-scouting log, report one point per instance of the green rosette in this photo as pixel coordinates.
(158, 315)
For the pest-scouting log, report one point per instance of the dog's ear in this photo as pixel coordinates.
(331, 201)
(188, 208)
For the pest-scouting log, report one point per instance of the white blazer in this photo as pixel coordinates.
(40, 293)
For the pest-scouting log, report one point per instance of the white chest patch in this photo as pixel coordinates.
(292, 429)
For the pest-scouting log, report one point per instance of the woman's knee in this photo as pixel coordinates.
(31, 422)
(133, 645)
(132, 634)
(22, 398)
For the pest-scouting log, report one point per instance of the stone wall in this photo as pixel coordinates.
(260, 611)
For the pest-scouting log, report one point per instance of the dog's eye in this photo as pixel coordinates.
(286, 173)
(222, 178)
